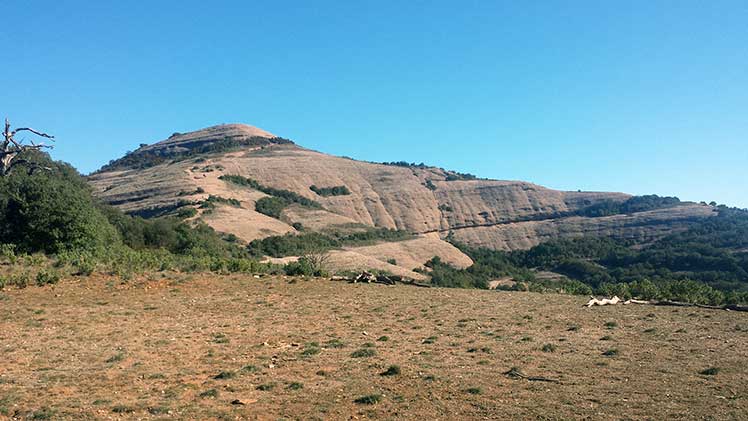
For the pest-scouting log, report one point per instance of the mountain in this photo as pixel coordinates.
(238, 169)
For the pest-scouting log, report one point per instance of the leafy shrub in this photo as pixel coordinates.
(19, 280)
(8, 252)
(304, 266)
(46, 276)
(392, 370)
(271, 206)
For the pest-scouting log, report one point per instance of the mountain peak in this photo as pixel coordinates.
(220, 138)
(180, 142)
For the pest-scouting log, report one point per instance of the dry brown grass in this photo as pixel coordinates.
(187, 346)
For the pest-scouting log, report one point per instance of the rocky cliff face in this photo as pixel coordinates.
(497, 214)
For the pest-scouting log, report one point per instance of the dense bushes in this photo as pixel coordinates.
(683, 267)
(704, 253)
(296, 245)
(271, 206)
(632, 205)
(330, 191)
(51, 211)
(287, 195)
(292, 245)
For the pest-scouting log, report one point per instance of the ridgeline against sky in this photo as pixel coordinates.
(583, 95)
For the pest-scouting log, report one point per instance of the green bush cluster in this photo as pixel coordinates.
(580, 260)
(454, 176)
(271, 206)
(330, 191)
(631, 205)
(709, 252)
(296, 245)
(51, 211)
(19, 280)
(47, 276)
(54, 213)
(212, 200)
(304, 266)
(288, 195)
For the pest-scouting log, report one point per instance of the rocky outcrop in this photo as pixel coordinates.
(642, 227)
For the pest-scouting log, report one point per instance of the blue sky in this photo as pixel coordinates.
(638, 96)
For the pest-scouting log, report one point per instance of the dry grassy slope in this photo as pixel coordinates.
(480, 212)
(97, 348)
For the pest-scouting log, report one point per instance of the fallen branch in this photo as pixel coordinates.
(370, 278)
(515, 373)
(615, 300)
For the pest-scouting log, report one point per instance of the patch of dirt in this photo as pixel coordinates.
(185, 346)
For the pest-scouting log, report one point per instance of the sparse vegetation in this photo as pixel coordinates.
(364, 353)
(225, 375)
(549, 348)
(270, 323)
(711, 371)
(266, 387)
(141, 158)
(369, 399)
(392, 370)
(210, 393)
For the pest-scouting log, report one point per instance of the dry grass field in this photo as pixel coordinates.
(235, 347)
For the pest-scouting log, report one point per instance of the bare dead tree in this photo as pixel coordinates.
(11, 149)
(318, 259)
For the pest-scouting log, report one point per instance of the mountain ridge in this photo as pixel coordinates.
(424, 200)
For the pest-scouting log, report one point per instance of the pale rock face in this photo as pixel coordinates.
(503, 215)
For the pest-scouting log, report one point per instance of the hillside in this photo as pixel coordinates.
(333, 194)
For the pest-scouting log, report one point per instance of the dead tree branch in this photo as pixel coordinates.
(10, 149)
